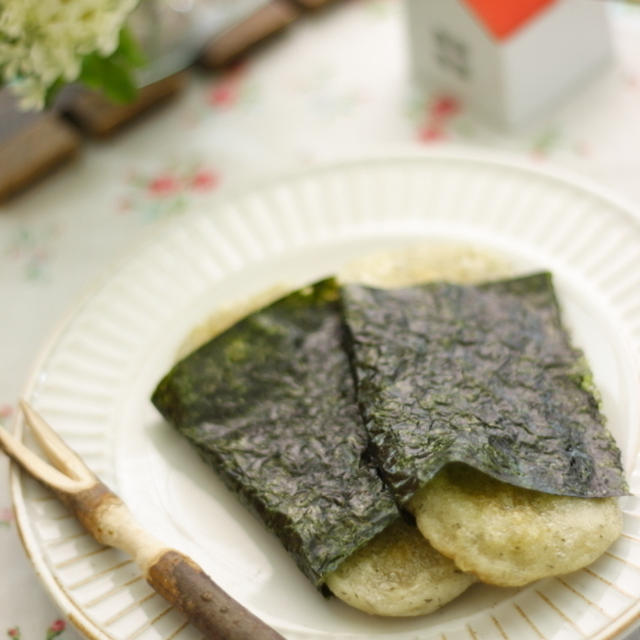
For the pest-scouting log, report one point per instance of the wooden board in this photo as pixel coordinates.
(31, 145)
(97, 116)
(263, 23)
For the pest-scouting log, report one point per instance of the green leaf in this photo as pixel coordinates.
(52, 92)
(90, 73)
(112, 75)
(109, 76)
(129, 49)
(118, 82)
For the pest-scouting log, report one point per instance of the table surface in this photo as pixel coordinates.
(315, 95)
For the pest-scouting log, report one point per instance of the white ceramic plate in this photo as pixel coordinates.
(94, 380)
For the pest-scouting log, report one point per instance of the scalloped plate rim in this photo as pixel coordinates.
(499, 160)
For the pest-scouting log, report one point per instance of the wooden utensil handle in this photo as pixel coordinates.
(212, 611)
(106, 517)
(173, 575)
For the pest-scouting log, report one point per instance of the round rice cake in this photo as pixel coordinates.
(398, 573)
(509, 536)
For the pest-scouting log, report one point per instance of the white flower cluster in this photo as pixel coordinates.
(42, 41)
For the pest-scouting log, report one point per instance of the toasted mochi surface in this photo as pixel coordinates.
(509, 536)
(398, 573)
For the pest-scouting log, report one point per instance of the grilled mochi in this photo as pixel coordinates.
(509, 536)
(398, 573)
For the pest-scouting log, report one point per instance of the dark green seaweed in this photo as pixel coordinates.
(485, 375)
(270, 404)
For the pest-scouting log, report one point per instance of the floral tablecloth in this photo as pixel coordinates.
(334, 86)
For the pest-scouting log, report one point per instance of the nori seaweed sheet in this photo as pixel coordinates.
(484, 375)
(270, 404)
